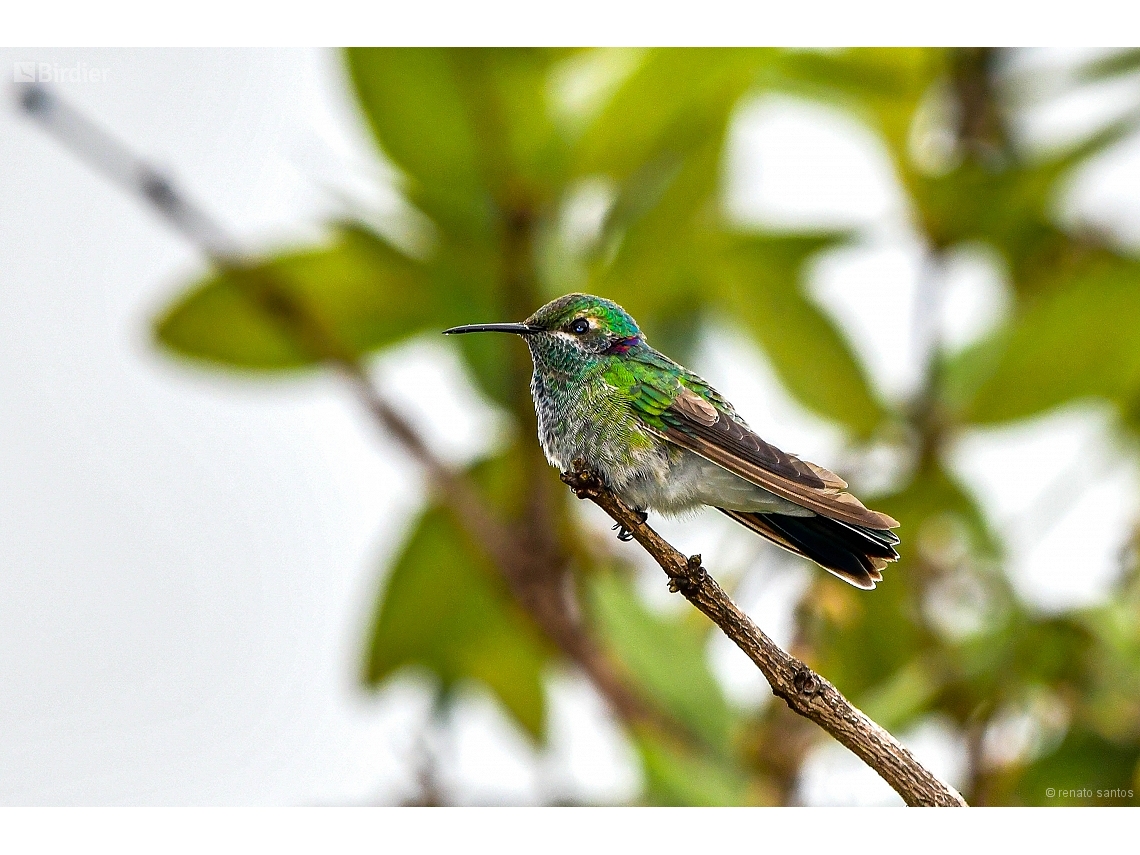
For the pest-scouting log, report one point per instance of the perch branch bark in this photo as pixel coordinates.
(806, 692)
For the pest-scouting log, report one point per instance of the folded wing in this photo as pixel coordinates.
(693, 423)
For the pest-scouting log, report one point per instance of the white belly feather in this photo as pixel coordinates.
(690, 481)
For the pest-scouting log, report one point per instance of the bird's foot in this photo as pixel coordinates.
(624, 534)
(584, 481)
(692, 579)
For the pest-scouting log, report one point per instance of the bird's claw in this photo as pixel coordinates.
(624, 534)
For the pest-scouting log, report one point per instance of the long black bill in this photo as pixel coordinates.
(517, 329)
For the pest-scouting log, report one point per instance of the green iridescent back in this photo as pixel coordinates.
(604, 394)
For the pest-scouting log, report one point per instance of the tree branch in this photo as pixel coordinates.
(802, 689)
(544, 596)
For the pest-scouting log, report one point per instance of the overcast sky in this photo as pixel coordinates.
(190, 560)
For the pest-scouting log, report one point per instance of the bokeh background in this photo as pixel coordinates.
(224, 585)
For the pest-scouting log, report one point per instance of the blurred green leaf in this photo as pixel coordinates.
(485, 154)
(471, 128)
(420, 117)
(220, 322)
(503, 482)
(662, 268)
(670, 103)
(882, 628)
(467, 279)
(474, 132)
(1110, 701)
(1015, 661)
(657, 219)
(903, 697)
(962, 373)
(666, 656)
(1011, 208)
(675, 777)
(1050, 650)
(934, 492)
(811, 357)
(508, 93)
(661, 139)
(443, 609)
(1115, 64)
(1085, 770)
(882, 85)
(1077, 341)
(1028, 650)
(360, 288)
(887, 627)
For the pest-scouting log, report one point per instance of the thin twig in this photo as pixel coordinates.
(802, 689)
(545, 597)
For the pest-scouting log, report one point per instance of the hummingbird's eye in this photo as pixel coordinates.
(579, 326)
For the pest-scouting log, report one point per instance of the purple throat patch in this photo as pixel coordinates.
(623, 345)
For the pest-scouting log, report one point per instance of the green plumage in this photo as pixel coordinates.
(664, 439)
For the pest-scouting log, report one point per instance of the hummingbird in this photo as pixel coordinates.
(663, 439)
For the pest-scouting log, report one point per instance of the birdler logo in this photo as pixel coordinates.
(49, 72)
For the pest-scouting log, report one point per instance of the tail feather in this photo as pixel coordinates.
(853, 553)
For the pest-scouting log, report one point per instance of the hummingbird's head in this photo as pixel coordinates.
(573, 330)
